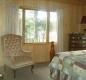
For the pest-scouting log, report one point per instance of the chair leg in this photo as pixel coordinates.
(32, 68)
(14, 71)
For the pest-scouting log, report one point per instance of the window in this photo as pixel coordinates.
(39, 26)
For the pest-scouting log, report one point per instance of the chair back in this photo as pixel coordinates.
(11, 44)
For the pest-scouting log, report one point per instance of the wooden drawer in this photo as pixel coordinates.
(77, 42)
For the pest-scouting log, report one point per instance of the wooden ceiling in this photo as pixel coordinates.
(74, 2)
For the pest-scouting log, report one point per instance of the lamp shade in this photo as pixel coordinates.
(83, 20)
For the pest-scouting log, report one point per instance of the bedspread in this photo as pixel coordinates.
(72, 65)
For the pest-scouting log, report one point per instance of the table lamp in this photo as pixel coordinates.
(83, 21)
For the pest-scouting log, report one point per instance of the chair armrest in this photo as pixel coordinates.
(26, 53)
(8, 60)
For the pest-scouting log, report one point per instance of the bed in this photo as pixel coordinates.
(68, 66)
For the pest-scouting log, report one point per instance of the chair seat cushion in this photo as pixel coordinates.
(22, 60)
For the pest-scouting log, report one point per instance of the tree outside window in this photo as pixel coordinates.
(36, 26)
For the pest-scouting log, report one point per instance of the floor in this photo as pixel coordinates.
(41, 72)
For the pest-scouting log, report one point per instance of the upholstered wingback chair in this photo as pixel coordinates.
(14, 56)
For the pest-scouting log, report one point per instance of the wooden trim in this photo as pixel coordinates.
(23, 26)
(38, 43)
(48, 21)
(37, 8)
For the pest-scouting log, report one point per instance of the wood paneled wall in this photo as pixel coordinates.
(40, 52)
(72, 14)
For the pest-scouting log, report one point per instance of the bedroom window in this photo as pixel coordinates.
(39, 26)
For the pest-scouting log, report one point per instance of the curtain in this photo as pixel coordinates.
(2, 30)
(60, 31)
(12, 20)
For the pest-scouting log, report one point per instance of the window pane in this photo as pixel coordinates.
(35, 26)
(53, 27)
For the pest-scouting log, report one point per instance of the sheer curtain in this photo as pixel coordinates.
(12, 19)
(60, 31)
(2, 30)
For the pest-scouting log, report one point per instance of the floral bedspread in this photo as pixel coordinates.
(71, 63)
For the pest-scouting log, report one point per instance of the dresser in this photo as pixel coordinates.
(77, 42)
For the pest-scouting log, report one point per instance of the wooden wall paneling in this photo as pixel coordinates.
(70, 14)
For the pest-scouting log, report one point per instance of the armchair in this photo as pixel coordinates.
(14, 56)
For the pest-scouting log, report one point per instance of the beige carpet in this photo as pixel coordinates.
(41, 72)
